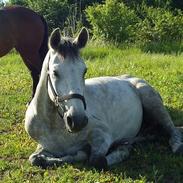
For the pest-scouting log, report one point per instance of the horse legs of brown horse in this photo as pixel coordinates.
(33, 62)
(35, 77)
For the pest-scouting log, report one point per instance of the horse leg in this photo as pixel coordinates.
(118, 155)
(5, 48)
(33, 63)
(35, 78)
(154, 109)
(45, 159)
(100, 143)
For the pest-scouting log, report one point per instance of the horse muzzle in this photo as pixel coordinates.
(75, 123)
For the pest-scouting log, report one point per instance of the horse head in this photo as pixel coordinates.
(66, 71)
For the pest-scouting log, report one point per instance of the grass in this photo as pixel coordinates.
(149, 162)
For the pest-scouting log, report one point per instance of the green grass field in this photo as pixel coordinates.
(149, 162)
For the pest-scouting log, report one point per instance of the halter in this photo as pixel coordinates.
(59, 101)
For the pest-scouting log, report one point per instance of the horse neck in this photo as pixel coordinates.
(41, 98)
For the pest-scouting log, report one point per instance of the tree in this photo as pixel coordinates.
(55, 12)
(18, 2)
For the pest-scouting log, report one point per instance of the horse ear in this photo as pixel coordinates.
(55, 39)
(82, 38)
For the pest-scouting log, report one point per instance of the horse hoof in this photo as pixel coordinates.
(179, 150)
(99, 163)
(38, 160)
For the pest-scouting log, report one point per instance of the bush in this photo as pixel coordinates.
(160, 25)
(54, 11)
(112, 21)
(160, 30)
(163, 47)
(152, 3)
(59, 13)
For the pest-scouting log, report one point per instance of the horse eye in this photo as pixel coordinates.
(55, 73)
(85, 71)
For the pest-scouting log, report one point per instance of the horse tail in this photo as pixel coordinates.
(44, 45)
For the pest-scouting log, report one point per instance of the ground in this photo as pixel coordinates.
(148, 162)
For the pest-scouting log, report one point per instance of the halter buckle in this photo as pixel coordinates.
(56, 101)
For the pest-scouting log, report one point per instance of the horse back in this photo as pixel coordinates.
(26, 26)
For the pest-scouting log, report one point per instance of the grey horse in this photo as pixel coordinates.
(76, 120)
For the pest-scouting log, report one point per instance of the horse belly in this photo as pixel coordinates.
(127, 121)
(116, 103)
(6, 36)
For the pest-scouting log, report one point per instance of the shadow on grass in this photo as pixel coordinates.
(152, 162)
(177, 116)
(163, 47)
(95, 53)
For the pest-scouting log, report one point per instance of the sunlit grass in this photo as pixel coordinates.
(148, 162)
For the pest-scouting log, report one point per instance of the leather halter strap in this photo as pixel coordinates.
(59, 100)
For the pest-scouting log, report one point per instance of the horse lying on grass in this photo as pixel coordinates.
(76, 120)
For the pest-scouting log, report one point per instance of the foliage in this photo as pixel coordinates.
(162, 47)
(65, 13)
(166, 4)
(160, 25)
(144, 25)
(55, 12)
(177, 4)
(144, 22)
(112, 21)
(18, 2)
(160, 30)
(84, 3)
(150, 3)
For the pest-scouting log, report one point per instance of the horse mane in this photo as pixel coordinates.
(67, 47)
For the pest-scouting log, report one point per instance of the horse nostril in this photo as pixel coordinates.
(70, 122)
(76, 123)
(85, 121)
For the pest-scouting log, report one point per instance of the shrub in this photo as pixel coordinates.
(54, 11)
(160, 30)
(112, 21)
(160, 25)
(58, 13)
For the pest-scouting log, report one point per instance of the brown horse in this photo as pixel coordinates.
(27, 32)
